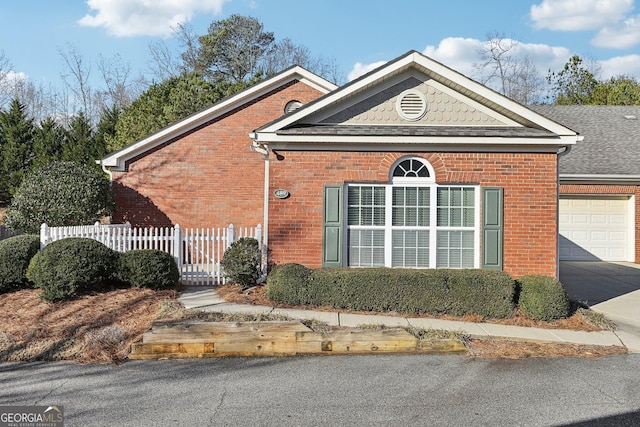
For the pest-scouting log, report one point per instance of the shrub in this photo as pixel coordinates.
(15, 254)
(66, 266)
(60, 193)
(543, 298)
(288, 282)
(148, 268)
(455, 292)
(241, 262)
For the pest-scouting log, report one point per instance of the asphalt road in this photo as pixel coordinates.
(423, 390)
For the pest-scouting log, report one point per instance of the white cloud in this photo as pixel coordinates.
(360, 69)
(457, 53)
(623, 36)
(127, 18)
(628, 65)
(576, 15)
(462, 55)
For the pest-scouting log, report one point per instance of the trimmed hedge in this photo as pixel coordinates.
(543, 298)
(148, 268)
(241, 262)
(440, 291)
(65, 266)
(15, 254)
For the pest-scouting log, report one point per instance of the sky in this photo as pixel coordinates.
(357, 34)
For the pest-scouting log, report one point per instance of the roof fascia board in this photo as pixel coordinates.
(314, 141)
(118, 158)
(409, 146)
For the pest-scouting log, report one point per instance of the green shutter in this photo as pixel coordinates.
(492, 228)
(332, 226)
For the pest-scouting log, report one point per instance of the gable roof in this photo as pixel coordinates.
(331, 119)
(611, 146)
(117, 159)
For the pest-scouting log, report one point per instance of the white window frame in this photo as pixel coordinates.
(433, 228)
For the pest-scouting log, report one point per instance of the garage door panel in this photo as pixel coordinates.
(595, 228)
(617, 219)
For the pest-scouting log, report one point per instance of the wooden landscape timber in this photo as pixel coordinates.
(279, 338)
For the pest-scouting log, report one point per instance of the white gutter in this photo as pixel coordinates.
(599, 179)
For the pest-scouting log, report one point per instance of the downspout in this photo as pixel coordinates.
(264, 149)
(567, 150)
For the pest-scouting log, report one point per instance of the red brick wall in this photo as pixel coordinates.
(627, 190)
(530, 199)
(207, 178)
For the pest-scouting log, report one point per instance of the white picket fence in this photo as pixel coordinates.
(197, 251)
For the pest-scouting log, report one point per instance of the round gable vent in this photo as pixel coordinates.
(292, 106)
(411, 105)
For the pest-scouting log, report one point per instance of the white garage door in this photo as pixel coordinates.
(596, 228)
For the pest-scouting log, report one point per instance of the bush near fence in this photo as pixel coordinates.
(197, 252)
(15, 255)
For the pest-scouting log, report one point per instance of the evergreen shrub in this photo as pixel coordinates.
(409, 291)
(241, 262)
(66, 266)
(148, 268)
(543, 298)
(15, 254)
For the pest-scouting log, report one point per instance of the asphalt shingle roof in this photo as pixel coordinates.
(611, 144)
(376, 130)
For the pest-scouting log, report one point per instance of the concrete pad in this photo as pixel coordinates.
(194, 297)
(605, 338)
(625, 308)
(631, 341)
(448, 325)
(328, 317)
(355, 320)
(519, 333)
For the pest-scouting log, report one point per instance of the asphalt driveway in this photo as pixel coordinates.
(593, 282)
(612, 289)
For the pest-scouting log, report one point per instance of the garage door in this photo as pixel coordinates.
(596, 228)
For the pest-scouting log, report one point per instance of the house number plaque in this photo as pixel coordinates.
(281, 194)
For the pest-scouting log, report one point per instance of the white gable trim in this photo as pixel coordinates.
(414, 58)
(116, 161)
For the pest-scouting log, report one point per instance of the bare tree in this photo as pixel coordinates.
(121, 89)
(5, 84)
(165, 64)
(77, 79)
(513, 76)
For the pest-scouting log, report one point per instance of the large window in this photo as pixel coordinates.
(412, 222)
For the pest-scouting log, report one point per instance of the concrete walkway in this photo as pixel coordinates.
(206, 299)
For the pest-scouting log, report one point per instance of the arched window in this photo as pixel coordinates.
(412, 222)
(411, 168)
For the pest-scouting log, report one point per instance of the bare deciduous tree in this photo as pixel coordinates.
(77, 79)
(503, 69)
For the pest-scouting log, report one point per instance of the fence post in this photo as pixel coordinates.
(177, 246)
(44, 234)
(231, 231)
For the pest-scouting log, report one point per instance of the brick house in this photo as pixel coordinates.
(412, 165)
(201, 172)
